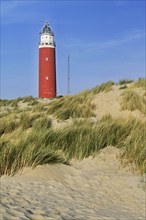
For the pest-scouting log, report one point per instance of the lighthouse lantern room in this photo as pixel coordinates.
(47, 63)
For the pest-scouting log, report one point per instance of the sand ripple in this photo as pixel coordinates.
(90, 189)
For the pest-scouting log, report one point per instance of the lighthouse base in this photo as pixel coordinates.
(47, 95)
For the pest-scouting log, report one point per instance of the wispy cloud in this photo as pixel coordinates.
(138, 34)
(102, 45)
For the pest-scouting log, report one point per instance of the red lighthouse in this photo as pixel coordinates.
(47, 63)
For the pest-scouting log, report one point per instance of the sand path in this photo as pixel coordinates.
(91, 189)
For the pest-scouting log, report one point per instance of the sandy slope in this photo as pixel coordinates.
(109, 103)
(88, 189)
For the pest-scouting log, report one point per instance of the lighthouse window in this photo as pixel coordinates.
(47, 77)
(46, 58)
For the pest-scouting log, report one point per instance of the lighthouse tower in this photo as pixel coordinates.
(47, 63)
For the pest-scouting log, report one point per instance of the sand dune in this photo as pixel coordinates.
(109, 103)
(93, 189)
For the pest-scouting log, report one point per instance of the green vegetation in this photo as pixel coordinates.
(104, 87)
(14, 102)
(15, 156)
(71, 106)
(42, 123)
(10, 103)
(79, 105)
(27, 99)
(132, 101)
(19, 148)
(140, 83)
(28, 138)
(8, 124)
(125, 81)
(82, 138)
(134, 146)
(27, 119)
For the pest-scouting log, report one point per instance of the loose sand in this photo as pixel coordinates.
(109, 104)
(91, 189)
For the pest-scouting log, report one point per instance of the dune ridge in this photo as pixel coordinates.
(106, 122)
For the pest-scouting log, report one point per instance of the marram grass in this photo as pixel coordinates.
(132, 101)
(81, 139)
(71, 107)
(140, 83)
(79, 105)
(104, 87)
(14, 102)
(125, 81)
(28, 139)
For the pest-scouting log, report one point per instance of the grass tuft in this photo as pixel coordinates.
(71, 106)
(10, 103)
(42, 123)
(140, 83)
(125, 81)
(104, 87)
(79, 105)
(8, 124)
(27, 120)
(132, 101)
(27, 99)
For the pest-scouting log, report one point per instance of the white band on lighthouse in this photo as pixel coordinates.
(45, 45)
(47, 37)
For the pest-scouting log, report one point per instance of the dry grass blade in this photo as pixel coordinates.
(132, 101)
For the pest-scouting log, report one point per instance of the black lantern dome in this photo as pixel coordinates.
(46, 29)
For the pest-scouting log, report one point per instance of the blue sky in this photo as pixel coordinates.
(105, 41)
